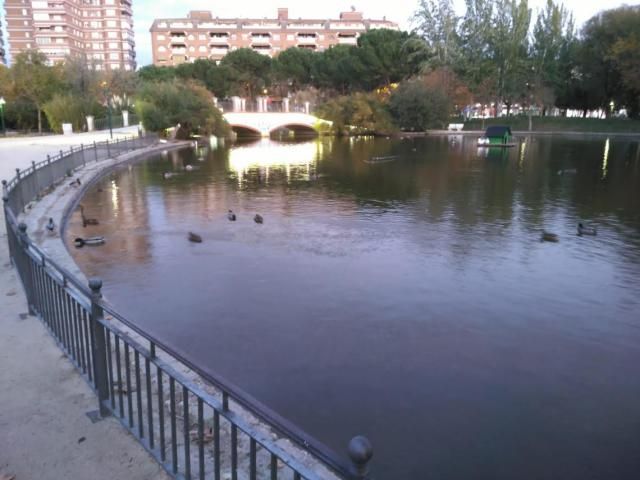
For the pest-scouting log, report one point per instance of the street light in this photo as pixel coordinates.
(2, 104)
(108, 95)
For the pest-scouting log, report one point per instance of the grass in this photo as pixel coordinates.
(560, 124)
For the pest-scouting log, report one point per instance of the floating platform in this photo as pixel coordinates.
(388, 158)
(497, 145)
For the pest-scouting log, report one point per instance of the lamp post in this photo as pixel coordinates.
(108, 95)
(2, 104)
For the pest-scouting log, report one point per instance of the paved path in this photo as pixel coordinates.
(44, 432)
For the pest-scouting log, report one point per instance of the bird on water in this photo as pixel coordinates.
(231, 216)
(195, 238)
(582, 230)
(258, 218)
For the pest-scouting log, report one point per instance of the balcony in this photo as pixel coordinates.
(347, 39)
(219, 49)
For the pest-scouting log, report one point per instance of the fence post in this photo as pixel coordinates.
(108, 150)
(99, 347)
(84, 162)
(25, 274)
(95, 150)
(360, 452)
(19, 190)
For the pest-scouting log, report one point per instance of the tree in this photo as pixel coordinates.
(162, 105)
(294, 67)
(437, 23)
(248, 70)
(70, 108)
(553, 28)
(338, 69)
(475, 64)
(35, 80)
(357, 114)
(509, 44)
(610, 58)
(152, 73)
(416, 107)
(384, 58)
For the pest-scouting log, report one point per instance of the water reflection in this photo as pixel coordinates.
(410, 300)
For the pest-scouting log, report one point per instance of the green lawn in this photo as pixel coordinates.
(560, 124)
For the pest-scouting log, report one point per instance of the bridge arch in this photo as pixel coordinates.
(245, 130)
(297, 129)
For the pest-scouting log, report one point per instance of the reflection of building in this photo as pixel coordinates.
(200, 35)
(100, 31)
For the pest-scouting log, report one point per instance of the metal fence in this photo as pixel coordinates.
(117, 121)
(195, 430)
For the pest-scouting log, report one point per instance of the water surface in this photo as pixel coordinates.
(409, 300)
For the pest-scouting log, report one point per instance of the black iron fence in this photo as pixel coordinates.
(195, 429)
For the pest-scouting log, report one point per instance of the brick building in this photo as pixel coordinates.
(200, 35)
(3, 59)
(99, 30)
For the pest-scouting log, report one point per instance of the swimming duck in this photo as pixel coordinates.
(51, 226)
(87, 221)
(166, 175)
(231, 216)
(258, 218)
(567, 171)
(92, 241)
(548, 237)
(195, 238)
(582, 230)
(188, 168)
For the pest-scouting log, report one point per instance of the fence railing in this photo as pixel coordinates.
(195, 430)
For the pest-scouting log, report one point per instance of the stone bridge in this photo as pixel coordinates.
(264, 124)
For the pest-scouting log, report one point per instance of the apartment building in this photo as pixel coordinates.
(200, 35)
(3, 60)
(99, 30)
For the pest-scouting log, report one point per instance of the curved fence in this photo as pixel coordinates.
(195, 429)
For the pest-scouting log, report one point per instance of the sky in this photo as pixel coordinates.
(399, 11)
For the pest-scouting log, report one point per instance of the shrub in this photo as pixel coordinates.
(66, 108)
(163, 105)
(357, 114)
(416, 107)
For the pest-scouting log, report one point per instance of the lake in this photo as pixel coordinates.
(399, 288)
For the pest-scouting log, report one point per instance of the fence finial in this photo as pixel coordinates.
(95, 284)
(360, 452)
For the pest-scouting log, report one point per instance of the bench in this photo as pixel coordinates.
(455, 127)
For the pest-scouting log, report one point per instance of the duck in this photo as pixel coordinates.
(81, 242)
(231, 216)
(548, 237)
(582, 230)
(258, 218)
(195, 238)
(75, 183)
(167, 175)
(567, 171)
(87, 221)
(51, 226)
(189, 168)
